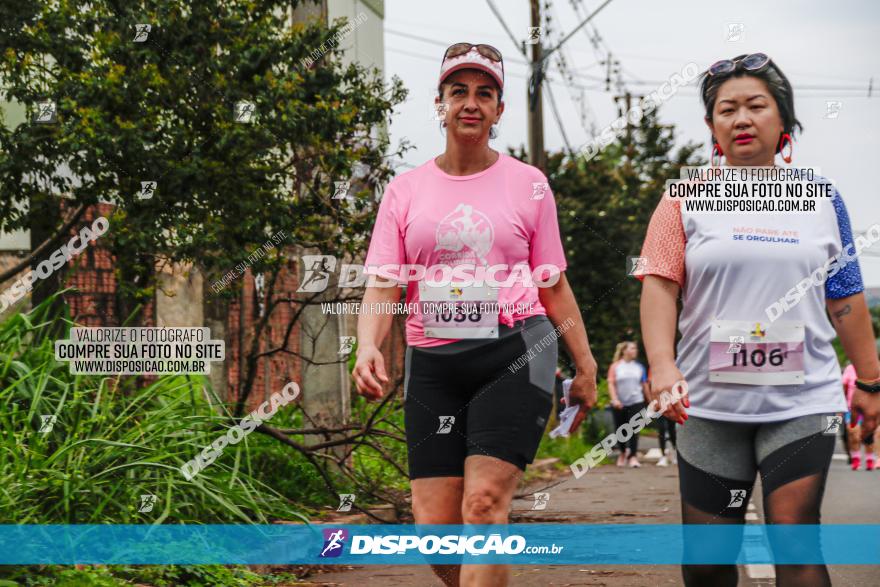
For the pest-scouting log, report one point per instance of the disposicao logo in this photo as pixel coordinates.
(334, 542)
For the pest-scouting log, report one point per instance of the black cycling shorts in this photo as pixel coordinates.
(486, 397)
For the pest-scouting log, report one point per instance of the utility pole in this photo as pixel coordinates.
(626, 100)
(536, 109)
(538, 59)
(624, 103)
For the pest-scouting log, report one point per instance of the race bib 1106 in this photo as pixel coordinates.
(755, 353)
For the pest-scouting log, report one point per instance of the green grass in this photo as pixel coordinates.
(112, 442)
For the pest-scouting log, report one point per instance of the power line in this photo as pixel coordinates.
(575, 30)
(440, 43)
(811, 87)
(558, 119)
(609, 61)
(682, 92)
(434, 59)
(506, 28)
(577, 96)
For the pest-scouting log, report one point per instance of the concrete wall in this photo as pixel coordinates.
(366, 43)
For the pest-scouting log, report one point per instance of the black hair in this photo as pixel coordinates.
(770, 74)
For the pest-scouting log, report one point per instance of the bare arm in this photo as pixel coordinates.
(563, 312)
(659, 316)
(372, 328)
(852, 321)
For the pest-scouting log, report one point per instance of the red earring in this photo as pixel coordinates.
(716, 150)
(786, 138)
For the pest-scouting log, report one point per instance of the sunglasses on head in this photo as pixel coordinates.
(487, 51)
(752, 62)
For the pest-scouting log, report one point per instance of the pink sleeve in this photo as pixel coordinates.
(545, 247)
(386, 242)
(663, 249)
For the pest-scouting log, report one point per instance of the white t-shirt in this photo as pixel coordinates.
(732, 267)
(628, 377)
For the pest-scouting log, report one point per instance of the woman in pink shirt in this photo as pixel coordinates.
(474, 237)
(854, 434)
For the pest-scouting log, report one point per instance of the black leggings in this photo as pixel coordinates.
(622, 416)
(665, 428)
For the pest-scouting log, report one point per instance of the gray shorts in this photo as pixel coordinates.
(718, 459)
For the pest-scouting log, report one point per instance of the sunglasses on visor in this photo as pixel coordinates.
(487, 51)
(752, 62)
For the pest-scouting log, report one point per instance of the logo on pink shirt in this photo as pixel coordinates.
(467, 232)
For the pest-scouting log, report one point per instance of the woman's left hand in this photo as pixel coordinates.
(583, 393)
(868, 405)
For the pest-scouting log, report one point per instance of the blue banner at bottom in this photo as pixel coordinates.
(531, 544)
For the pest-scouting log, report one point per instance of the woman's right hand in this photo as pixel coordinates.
(615, 403)
(663, 379)
(369, 366)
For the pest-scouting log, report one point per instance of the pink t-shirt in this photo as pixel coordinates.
(505, 214)
(849, 383)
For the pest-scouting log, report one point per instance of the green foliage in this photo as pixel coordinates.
(164, 110)
(292, 475)
(567, 450)
(372, 467)
(112, 443)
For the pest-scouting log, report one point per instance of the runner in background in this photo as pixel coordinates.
(627, 385)
(854, 426)
(763, 396)
(665, 433)
(478, 379)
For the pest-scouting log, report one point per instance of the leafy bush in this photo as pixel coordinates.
(111, 443)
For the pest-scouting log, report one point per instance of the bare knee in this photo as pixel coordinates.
(484, 506)
(436, 513)
(437, 502)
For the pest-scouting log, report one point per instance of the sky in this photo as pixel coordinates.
(829, 51)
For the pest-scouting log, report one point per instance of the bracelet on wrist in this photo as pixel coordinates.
(869, 386)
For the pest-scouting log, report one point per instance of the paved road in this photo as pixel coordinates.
(852, 497)
(646, 495)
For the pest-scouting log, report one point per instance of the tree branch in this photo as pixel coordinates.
(49, 243)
